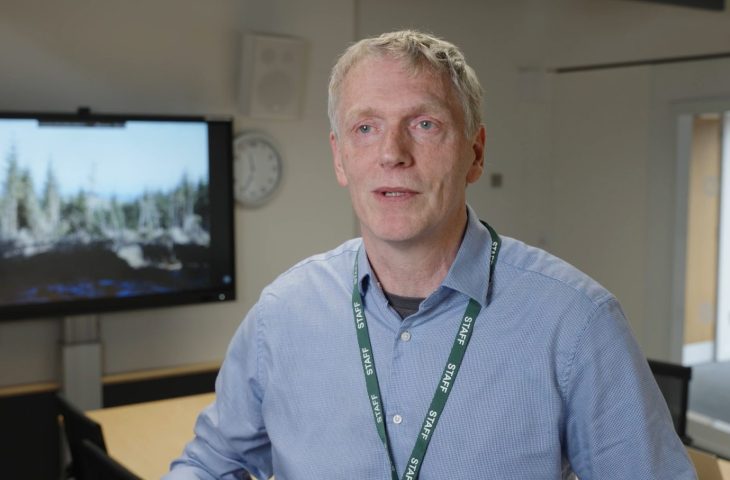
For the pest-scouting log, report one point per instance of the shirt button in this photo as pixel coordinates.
(397, 419)
(405, 336)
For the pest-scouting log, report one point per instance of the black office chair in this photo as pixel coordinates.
(98, 465)
(78, 427)
(673, 381)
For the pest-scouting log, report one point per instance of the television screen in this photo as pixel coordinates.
(705, 4)
(110, 212)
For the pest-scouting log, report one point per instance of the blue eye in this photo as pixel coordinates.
(425, 124)
(364, 128)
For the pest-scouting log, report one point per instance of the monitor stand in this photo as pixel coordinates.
(81, 361)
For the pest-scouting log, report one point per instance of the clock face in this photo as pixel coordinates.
(257, 168)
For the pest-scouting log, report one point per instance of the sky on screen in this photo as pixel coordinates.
(108, 161)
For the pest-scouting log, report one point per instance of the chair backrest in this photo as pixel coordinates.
(100, 466)
(673, 381)
(78, 427)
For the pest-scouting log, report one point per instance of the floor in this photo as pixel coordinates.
(709, 392)
(708, 419)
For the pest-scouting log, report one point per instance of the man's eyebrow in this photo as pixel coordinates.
(360, 112)
(424, 107)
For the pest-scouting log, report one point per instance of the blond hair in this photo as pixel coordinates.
(418, 50)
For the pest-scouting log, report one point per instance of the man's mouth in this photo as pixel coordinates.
(394, 192)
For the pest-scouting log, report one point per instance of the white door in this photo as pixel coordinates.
(723, 291)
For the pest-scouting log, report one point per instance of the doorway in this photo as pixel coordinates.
(707, 259)
(704, 167)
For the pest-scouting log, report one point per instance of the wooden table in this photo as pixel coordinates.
(725, 469)
(146, 437)
(709, 466)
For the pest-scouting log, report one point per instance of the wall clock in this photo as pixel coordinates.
(257, 168)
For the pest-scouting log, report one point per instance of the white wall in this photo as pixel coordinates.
(512, 45)
(599, 177)
(579, 178)
(179, 56)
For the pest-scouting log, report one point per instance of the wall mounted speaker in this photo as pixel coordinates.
(271, 76)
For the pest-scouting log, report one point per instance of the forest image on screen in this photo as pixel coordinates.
(102, 211)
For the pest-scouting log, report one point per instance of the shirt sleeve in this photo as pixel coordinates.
(618, 425)
(230, 438)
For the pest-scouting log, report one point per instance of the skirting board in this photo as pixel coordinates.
(697, 353)
(709, 433)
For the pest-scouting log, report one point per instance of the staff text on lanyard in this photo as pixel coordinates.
(446, 382)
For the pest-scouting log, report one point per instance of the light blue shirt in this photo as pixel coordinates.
(552, 379)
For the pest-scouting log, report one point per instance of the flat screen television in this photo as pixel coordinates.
(101, 213)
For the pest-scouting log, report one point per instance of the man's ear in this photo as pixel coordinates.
(337, 159)
(477, 166)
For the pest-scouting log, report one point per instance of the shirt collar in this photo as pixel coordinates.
(469, 274)
(364, 270)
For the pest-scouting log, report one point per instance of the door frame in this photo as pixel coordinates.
(683, 113)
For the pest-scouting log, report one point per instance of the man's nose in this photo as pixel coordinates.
(395, 149)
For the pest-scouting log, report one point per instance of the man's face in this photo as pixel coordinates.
(402, 152)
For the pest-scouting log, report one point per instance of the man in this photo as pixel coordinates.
(431, 346)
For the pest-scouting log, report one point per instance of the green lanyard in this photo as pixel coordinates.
(413, 467)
